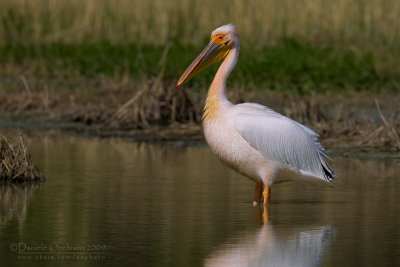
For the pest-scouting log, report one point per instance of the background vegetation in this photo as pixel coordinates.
(349, 22)
(286, 44)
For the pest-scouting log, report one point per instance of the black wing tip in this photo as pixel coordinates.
(329, 173)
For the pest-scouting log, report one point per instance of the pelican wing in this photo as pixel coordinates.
(281, 139)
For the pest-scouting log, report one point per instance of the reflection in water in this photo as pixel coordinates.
(281, 247)
(172, 205)
(14, 201)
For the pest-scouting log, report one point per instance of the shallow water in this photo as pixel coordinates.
(115, 202)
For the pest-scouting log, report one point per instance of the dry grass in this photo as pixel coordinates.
(15, 162)
(156, 104)
(156, 111)
(358, 123)
(352, 22)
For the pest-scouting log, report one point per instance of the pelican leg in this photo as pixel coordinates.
(258, 193)
(265, 215)
(266, 195)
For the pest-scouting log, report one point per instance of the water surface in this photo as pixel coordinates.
(115, 202)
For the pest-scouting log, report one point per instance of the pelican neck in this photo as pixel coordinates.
(218, 85)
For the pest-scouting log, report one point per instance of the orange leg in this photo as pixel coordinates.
(267, 197)
(265, 215)
(258, 193)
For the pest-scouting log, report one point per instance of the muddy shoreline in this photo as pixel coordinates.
(357, 120)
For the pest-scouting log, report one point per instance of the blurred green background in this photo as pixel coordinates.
(301, 45)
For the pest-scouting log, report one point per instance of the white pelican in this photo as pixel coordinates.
(250, 138)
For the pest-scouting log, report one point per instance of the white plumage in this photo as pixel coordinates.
(250, 138)
(280, 139)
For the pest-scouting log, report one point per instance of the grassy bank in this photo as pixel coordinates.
(288, 65)
(294, 45)
(156, 112)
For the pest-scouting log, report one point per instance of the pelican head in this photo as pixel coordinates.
(222, 41)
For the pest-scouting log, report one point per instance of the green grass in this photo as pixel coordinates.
(301, 45)
(287, 65)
